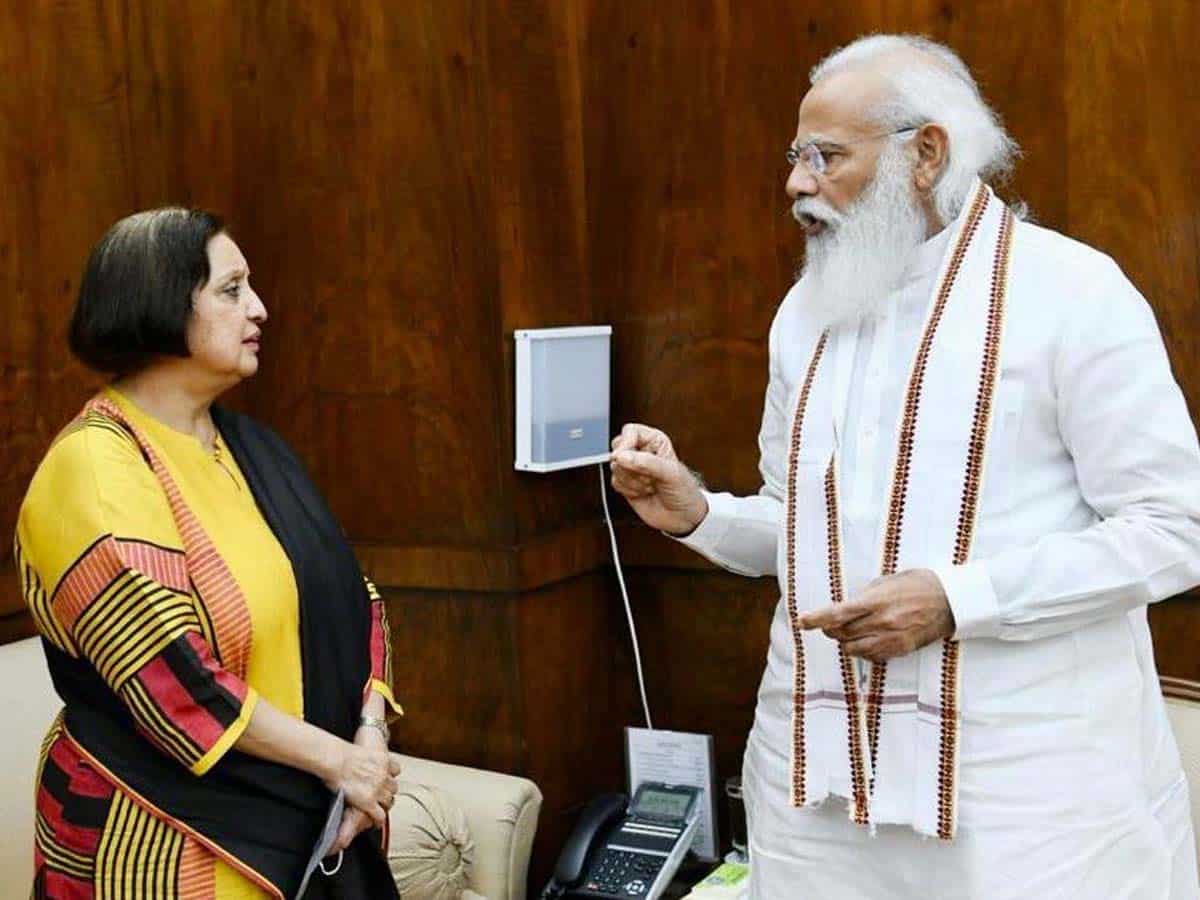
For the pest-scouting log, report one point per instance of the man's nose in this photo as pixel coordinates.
(801, 182)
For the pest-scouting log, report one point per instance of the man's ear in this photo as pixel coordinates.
(933, 153)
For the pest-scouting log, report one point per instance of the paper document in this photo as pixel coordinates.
(677, 757)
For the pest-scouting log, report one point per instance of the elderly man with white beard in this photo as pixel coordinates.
(978, 471)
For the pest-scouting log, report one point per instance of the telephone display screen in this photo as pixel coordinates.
(664, 804)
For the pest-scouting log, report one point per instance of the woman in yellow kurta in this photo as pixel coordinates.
(223, 664)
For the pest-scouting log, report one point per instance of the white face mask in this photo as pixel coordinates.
(862, 254)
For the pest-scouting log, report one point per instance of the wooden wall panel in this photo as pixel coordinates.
(65, 167)
(1176, 629)
(368, 212)
(537, 153)
(101, 114)
(428, 196)
(412, 182)
(689, 113)
(1133, 180)
(460, 707)
(577, 693)
(1134, 192)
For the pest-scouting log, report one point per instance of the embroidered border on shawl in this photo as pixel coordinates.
(837, 593)
(968, 514)
(798, 760)
(895, 519)
(218, 589)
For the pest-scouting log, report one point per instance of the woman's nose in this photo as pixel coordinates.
(258, 310)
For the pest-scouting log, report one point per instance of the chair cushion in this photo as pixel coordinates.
(502, 813)
(1185, 722)
(430, 851)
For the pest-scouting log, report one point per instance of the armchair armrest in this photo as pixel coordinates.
(500, 813)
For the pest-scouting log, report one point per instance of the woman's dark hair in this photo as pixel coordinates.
(136, 294)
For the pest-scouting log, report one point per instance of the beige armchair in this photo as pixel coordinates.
(455, 832)
(464, 833)
(28, 705)
(1183, 708)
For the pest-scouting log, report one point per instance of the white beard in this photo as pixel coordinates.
(861, 256)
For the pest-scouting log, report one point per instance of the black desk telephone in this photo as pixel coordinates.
(627, 851)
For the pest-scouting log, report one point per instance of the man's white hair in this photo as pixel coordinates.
(933, 85)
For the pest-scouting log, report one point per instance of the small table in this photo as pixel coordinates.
(691, 872)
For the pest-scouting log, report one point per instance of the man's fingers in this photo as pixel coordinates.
(877, 647)
(635, 436)
(633, 493)
(632, 437)
(394, 764)
(630, 485)
(872, 623)
(835, 615)
(648, 465)
(864, 648)
(626, 440)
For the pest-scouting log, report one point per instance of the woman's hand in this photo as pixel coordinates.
(367, 775)
(355, 821)
(365, 771)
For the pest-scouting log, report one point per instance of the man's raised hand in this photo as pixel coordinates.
(661, 489)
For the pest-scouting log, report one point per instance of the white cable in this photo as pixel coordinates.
(637, 653)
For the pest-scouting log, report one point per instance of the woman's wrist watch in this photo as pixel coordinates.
(376, 722)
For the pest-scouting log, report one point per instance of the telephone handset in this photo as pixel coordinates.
(627, 851)
(597, 818)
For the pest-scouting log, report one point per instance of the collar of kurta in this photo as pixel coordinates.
(892, 748)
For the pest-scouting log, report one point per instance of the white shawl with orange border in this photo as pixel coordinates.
(896, 743)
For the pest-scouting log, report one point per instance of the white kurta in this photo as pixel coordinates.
(1070, 783)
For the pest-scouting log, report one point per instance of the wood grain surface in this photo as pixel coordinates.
(412, 182)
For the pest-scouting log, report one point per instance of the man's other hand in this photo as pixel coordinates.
(661, 490)
(892, 617)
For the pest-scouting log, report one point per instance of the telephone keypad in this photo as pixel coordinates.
(622, 873)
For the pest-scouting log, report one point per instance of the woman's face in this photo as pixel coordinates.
(224, 330)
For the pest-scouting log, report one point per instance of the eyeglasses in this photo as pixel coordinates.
(814, 156)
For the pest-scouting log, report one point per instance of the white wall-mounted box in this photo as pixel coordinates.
(562, 397)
